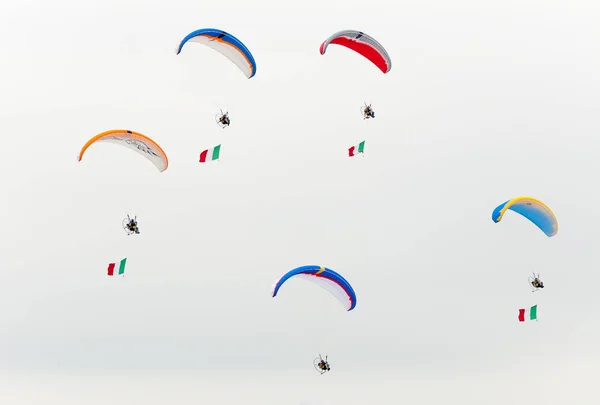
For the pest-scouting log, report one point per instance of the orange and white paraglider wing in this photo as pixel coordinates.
(134, 141)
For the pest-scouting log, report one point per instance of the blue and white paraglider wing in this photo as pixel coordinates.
(326, 278)
(226, 44)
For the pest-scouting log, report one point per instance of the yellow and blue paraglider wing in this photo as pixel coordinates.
(326, 278)
(532, 209)
(134, 141)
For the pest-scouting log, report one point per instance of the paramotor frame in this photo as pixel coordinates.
(222, 119)
(363, 111)
(127, 228)
(532, 282)
(322, 366)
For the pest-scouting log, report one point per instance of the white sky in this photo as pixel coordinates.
(485, 101)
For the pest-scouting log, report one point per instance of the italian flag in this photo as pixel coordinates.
(111, 267)
(354, 150)
(532, 313)
(210, 154)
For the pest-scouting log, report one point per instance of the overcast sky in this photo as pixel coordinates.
(486, 100)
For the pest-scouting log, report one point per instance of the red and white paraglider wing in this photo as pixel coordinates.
(363, 44)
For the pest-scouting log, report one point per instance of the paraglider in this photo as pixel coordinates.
(321, 365)
(367, 111)
(130, 225)
(534, 210)
(134, 141)
(362, 44)
(535, 283)
(227, 45)
(223, 119)
(326, 278)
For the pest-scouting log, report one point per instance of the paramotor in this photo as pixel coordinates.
(130, 225)
(367, 112)
(222, 119)
(321, 365)
(535, 283)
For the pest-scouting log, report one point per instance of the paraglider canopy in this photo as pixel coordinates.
(534, 210)
(326, 278)
(227, 45)
(134, 141)
(362, 44)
